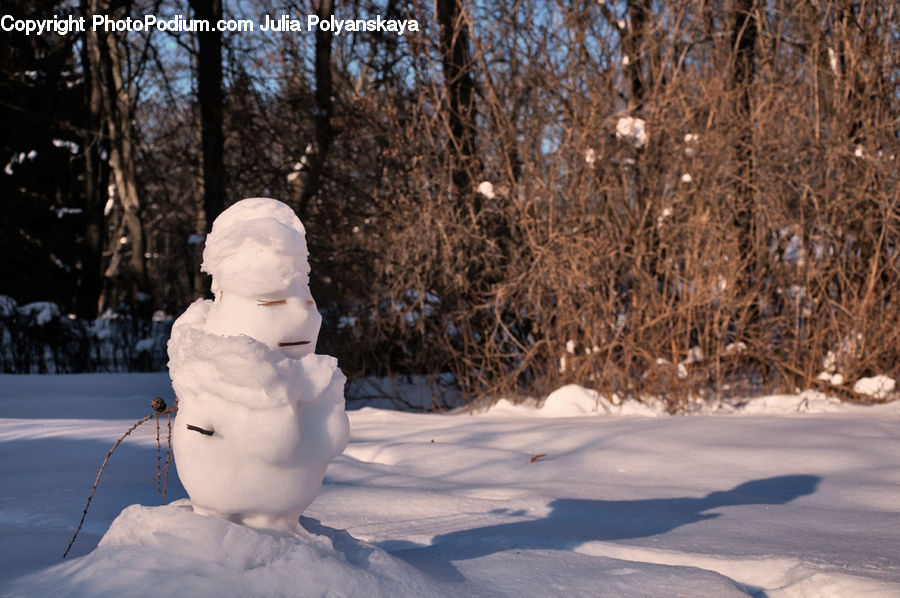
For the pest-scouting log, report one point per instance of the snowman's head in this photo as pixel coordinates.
(257, 256)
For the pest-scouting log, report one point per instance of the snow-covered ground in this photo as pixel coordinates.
(782, 496)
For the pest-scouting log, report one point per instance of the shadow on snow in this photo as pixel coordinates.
(574, 522)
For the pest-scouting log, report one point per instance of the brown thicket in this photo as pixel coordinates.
(479, 212)
(748, 245)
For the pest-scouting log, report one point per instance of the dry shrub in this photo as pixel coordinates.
(732, 252)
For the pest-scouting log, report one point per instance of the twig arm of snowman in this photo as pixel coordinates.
(203, 431)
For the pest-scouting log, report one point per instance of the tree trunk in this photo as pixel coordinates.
(95, 184)
(633, 46)
(210, 98)
(743, 40)
(460, 90)
(212, 141)
(117, 117)
(310, 177)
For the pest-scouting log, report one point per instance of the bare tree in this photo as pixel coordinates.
(634, 48)
(113, 86)
(96, 180)
(459, 88)
(744, 30)
(210, 97)
(308, 182)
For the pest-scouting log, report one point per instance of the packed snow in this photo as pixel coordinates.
(690, 143)
(42, 311)
(486, 188)
(779, 496)
(259, 414)
(633, 130)
(877, 387)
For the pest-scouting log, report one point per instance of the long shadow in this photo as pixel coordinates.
(573, 522)
(44, 483)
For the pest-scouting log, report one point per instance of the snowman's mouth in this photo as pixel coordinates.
(293, 344)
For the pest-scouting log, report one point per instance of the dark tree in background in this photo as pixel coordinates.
(459, 88)
(112, 72)
(744, 34)
(211, 100)
(743, 39)
(210, 97)
(95, 184)
(42, 215)
(312, 162)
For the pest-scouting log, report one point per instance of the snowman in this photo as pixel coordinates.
(260, 415)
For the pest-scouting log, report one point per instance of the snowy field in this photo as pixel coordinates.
(783, 496)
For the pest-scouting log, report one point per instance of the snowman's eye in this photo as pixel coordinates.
(262, 303)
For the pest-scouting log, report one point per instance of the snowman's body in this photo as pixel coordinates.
(259, 415)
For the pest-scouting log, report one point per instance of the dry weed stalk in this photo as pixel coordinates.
(159, 407)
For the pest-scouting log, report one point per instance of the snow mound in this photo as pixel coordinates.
(877, 387)
(170, 551)
(7, 306)
(41, 311)
(573, 400)
(806, 402)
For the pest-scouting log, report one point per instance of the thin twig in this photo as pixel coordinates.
(103, 467)
(158, 457)
(169, 453)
